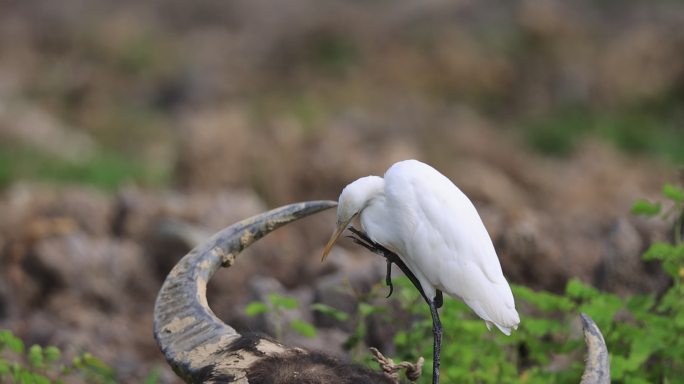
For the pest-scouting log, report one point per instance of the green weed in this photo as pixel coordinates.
(276, 305)
(39, 365)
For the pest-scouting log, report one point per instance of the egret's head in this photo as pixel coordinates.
(353, 199)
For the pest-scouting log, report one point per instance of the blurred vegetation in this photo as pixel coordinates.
(44, 365)
(105, 170)
(276, 306)
(651, 128)
(556, 74)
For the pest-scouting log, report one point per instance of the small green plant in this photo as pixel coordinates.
(676, 196)
(657, 344)
(354, 342)
(276, 306)
(359, 318)
(38, 365)
(330, 311)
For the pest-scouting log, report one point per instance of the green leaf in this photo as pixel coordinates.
(40, 379)
(646, 208)
(97, 366)
(303, 328)
(618, 367)
(330, 311)
(578, 290)
(642, 348)
(671, 299)
(664, 251)
(679, 320)
(366, 309)
(280, 301)
(640, 303)
(52, 354)
(10, 341)
(400, 339)
(671, 255)
(24, 377)
(545, 301)
(4, 367)
(35, 356)
(540, 327)
(673, 192)
(602, 309)
(66, 370)
(256, 308)
(636, 380)
(153, 377)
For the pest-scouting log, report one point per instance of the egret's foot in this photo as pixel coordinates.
(374, 247)
(388, 279)
(392, 258)
(362, 239)
(377, 248)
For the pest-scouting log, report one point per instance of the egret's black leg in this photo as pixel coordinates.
(434, 303)
(437, 340)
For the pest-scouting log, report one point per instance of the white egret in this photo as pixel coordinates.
(421, 216)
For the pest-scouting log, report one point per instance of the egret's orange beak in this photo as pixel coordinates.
(336, 235)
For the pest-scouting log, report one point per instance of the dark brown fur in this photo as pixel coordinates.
(311, 368)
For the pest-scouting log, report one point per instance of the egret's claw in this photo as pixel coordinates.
(388, 278)
(365, 242)
(362, 239)
(357, 240)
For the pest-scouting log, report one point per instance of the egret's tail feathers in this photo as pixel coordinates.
(506, 319)
(505, 330)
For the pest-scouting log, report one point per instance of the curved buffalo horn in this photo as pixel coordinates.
(199, 346)
(597, 368)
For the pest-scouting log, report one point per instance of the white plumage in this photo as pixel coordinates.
(420, 215)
